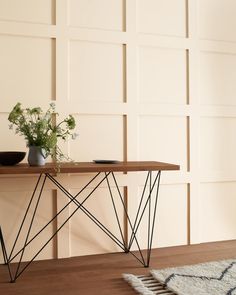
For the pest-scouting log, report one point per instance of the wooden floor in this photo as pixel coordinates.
(102, 274)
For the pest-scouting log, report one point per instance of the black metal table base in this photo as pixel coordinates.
(147, 205)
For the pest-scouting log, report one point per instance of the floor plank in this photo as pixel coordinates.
(102, 274)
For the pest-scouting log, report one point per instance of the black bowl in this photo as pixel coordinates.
(11, 158)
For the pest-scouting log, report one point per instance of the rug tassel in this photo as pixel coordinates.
(137, 284)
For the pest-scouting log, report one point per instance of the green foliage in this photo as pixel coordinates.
(39, 128)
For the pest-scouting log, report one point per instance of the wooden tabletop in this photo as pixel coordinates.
(86, 167)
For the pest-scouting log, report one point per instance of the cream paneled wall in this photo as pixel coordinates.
(146, 80)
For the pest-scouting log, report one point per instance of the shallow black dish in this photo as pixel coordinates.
(105, 161)
(11, 158)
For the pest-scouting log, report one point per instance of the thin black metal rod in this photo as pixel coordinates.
(140, 219)
(26, 213)
(31, 224)
(2, 245)
(154, 217)
(89, 215)
(149, 213)
(129, 221)
(5, 257)
(114, 207)
(50, 221)
(139, 207)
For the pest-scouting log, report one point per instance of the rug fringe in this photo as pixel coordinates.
(146, 285)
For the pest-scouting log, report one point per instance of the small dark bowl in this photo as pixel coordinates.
(11, 158)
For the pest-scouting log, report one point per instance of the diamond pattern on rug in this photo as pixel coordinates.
(212, 278)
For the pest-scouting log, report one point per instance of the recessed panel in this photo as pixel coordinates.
(33, 11)
(216, 78)
(171, 218)
(163, 139)
(217, 211)
(163, 17)
(88, 238)
(14, 204)
(102, 14)
(217, 145)
(217, 19)
(27, 70)
(12, 141)
(100, 137)
(96, 72)
(162, 75)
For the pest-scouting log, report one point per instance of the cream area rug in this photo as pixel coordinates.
(211, 278)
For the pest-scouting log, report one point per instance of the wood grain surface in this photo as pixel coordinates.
(86, 167)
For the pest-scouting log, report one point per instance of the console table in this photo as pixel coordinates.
(101, 173)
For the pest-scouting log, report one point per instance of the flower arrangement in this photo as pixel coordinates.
(40, 129)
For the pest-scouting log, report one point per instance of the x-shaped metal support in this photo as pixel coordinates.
(148, 203)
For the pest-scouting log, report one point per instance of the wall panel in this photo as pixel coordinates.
(216, 78)
(164, 139)
(13, 142)
(217, 209)
(162, 75)
(217, 145)
(103, 14)
(217, 20)
(14, 204)
(86, 237)
(146, 80)
(171, 224)
(29, 11)
(162, 17)
(100, 65)
(97, 141)
(35, 57)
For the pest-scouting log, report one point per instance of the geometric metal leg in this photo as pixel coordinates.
(25, 215)
(18, 271)
(116, 214)
(148, 200)
(8, 259)
(148, 203)
(141, 259)
(151, 226)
